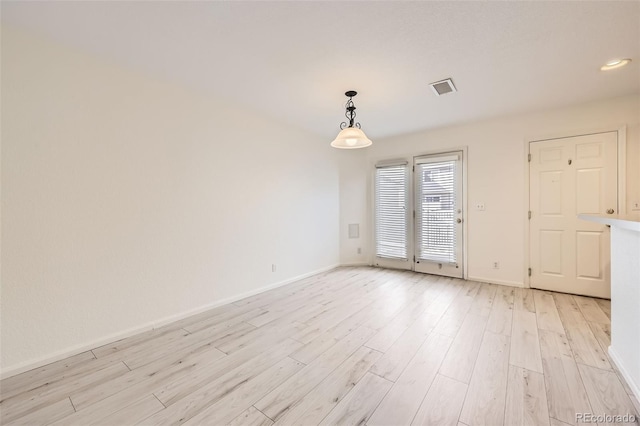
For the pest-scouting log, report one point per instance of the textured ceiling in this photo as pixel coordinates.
(295, 60)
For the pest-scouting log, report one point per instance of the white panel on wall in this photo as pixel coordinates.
(354, 230)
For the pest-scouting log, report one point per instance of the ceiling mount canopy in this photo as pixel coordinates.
(351, 136)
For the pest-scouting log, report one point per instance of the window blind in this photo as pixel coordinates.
(391, 211)
(435, 211)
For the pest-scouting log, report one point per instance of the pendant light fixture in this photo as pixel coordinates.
(350, 137)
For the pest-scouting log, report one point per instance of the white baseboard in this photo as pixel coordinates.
(499, 282)
(355, 264)
(469, 278)
(635, 387)
(83, 347)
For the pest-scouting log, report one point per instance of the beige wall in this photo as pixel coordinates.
(496, 177)
(127, 201)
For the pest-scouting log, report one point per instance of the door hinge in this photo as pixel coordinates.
(414, 258)
(413, 168)
(529, 271)
(529, 157)
(529, 214)
(414, 214)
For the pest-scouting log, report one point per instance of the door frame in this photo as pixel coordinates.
(409, 157)
(621, 132)
(460, 205)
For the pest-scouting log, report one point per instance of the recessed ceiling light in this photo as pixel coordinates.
(616, 63)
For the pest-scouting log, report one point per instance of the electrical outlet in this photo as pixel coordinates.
(496, 265)
(635, 206)
(359, 250)
(273, 267)
(480, 206)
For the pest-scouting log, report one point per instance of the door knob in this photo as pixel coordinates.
(610, 211)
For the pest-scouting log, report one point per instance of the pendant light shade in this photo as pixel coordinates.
(351, 136)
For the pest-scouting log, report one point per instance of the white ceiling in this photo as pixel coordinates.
(295, 60)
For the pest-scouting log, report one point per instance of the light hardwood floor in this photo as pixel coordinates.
(355, 345)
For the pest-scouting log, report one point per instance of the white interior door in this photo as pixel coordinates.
(438, 214)
(567, 177)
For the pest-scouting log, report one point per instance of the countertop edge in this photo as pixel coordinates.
(631, 222)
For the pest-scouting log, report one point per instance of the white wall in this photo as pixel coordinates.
(496, 177)
(353, 203)
(127, 201)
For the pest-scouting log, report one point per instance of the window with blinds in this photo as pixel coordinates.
(391, 184)
(436, 210)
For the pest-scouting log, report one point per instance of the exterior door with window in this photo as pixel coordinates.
(438, 214)
(418, 216)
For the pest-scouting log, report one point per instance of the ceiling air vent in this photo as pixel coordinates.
(443, 87)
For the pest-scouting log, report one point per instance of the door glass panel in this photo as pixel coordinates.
(391, 212)
(436, 211)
